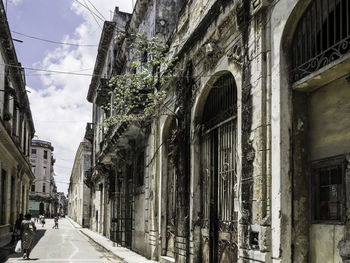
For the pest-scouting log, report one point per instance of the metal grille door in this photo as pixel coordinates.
(219, 178)
(218, 162)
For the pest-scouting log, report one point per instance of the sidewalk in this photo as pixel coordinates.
(123, 253)
(6, 248)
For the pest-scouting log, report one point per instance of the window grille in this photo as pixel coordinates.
(321, 37)
(221, 101)
(328, 189)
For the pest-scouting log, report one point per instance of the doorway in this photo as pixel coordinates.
(218, 161)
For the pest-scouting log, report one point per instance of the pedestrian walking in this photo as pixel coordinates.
(28, 232)
(56, 222)
(17, 229)
(42, 219)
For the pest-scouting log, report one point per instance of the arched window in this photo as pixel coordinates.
(221, 102)
(321, 37)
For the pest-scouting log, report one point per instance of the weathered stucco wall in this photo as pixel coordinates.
(139, 241)
(323, 243)
(329, 111)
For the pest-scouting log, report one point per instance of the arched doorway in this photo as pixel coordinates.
(319, 62)
(169, 183)
(218, 164)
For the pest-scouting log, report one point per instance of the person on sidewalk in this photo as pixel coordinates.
(17, 230)
(28, 232)
(56, 222)
(42, 219)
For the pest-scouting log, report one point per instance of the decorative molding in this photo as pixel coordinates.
(257, 5)
(235, 53)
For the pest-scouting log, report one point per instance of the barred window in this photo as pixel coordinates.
(329, 189)
(321, 37)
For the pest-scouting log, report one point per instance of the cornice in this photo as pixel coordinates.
(105, 40)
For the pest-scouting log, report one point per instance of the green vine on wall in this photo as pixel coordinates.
(139, 93)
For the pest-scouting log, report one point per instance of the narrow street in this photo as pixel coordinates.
(65, 244)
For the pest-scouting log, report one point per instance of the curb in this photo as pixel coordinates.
(119, 254)
(101, 246)
(74, 224)
(77, 226)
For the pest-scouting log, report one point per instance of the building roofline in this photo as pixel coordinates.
(105, 40)
(41, 143)
(15, 69)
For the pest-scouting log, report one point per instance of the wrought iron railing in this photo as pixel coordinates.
(322, 36)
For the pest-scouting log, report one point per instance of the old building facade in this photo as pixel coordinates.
(16, 131)
(250, 162)
(43, 198)
(62, 208)
(78, 191)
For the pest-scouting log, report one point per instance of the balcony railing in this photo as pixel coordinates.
(103, 96)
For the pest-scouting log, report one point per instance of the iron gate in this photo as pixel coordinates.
(218, 162)
(171, 193)
(124, 209)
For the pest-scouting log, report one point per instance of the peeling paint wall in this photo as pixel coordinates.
(323, 243)
(329, 111)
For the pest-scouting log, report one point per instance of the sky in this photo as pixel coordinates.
(58, 101)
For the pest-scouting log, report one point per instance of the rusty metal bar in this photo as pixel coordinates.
(328, 26)
(321, 24)
(315, 26)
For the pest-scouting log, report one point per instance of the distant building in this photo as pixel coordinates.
(16, 132)
(78, 192)
(42, 196)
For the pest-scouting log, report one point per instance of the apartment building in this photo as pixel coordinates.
(16, 132)
(43, 191)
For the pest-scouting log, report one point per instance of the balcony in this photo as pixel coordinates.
(89, 132)
(103, 96)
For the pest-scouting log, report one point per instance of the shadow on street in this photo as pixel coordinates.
(10, 253)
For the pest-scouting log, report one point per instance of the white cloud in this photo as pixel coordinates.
(60, 110)
(15, 2)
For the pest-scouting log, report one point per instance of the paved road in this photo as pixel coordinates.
(65, 244)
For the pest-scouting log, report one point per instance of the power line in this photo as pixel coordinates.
(89, 10)
(52, 41)
(92, 14)
(52, 71)
(96, 9)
